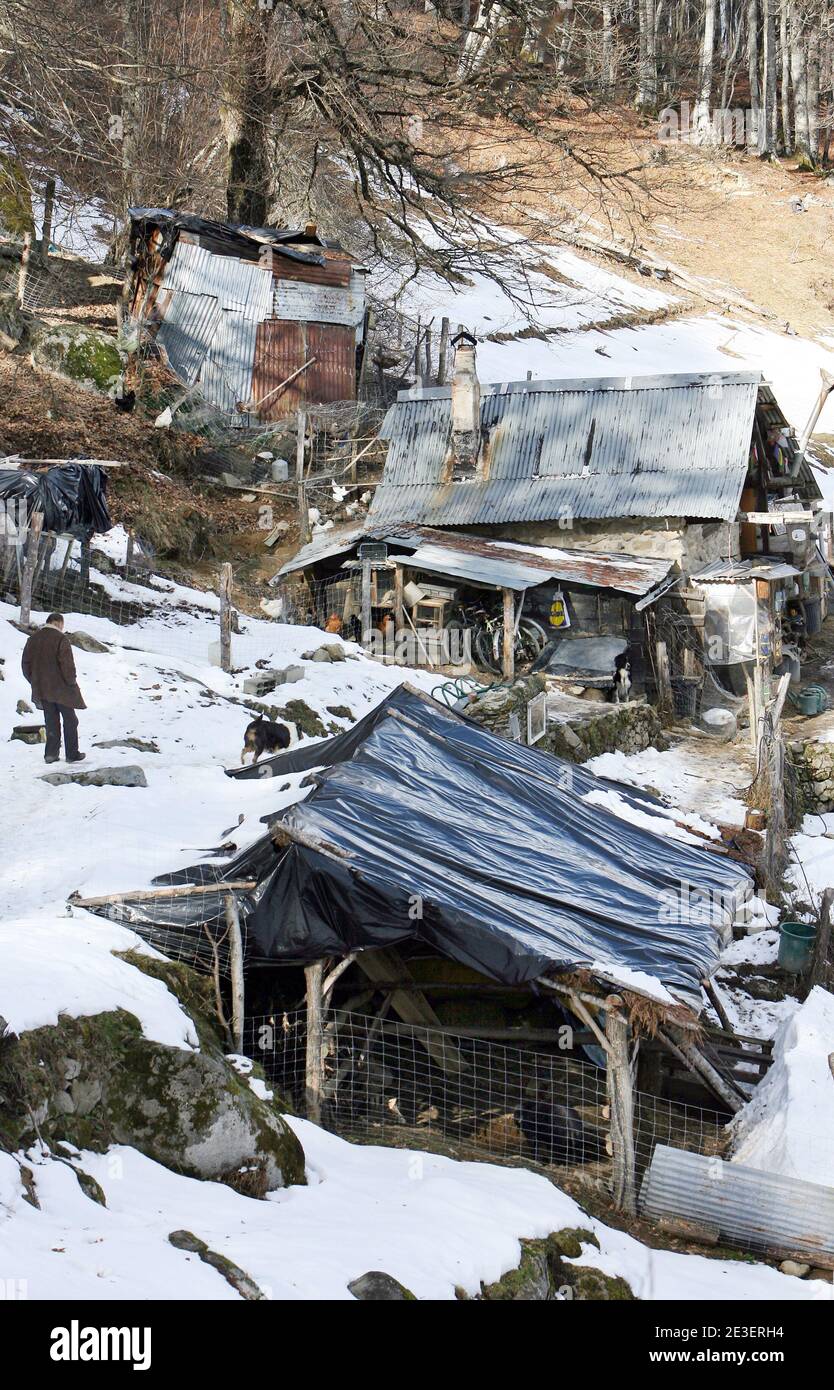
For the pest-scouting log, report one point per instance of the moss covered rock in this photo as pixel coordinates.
(15, 198)
(84, 355)
(544, 1272)
(96, 1081)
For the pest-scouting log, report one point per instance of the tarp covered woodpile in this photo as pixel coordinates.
(424, 827)
(71, 496)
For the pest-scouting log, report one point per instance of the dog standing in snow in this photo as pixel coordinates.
(621, 680)
(262, 736)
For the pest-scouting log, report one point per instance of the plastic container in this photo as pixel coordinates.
(812, 700)
(796, 945)
(813, 615)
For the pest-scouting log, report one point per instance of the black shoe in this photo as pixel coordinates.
(50, 757)
(78, 758)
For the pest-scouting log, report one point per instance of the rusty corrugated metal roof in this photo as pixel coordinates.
(589, 449)
(503, 563)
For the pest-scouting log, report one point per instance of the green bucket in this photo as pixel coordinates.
(796, 945)
(812, 700)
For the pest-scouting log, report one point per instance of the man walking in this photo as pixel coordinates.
(49, 667)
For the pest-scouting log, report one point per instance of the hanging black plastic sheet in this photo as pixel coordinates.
(71, 496)
(427, 828)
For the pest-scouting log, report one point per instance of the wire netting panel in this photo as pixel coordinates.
(400, 1083)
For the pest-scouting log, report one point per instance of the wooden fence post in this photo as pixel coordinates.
(33, 539)
(366, 603)
(665, 698)
(508, 658)
(236, 971)
(226, 617)
(23, 270)
(129, 554)
(621, 1107)
(313, 975)
(399, 616)
(303, 518)
(818, 973)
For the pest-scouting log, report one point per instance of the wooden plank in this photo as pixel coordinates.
(384, 968)
(142, 895)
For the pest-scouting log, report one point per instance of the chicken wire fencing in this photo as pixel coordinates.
(398, 1083)
(167, 923)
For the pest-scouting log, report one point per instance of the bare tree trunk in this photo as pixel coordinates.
(787, 132)
(799, 77)
(753, 73)
(704, 133)
(46, 225)
(245, 113)
(607, 47)
(135, 20)
(767, 123)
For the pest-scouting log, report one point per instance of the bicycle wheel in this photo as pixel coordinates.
(484, 649)
(531, 639)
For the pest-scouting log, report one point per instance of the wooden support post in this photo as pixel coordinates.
(303, 519)
(399, 614)
(621, 1108)
(226, 617)
(508, 660)
(66, 560)
(443, 352)
(818, 973)
(85, 561)
(236, 971)
(129, 554)
(365, 614)
(33, 537)
(312, 1076)
(665, 700)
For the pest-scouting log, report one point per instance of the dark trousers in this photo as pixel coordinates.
(53, 715)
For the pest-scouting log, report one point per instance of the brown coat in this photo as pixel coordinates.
(49, 667)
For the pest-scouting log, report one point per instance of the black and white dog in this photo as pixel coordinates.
(621, 693)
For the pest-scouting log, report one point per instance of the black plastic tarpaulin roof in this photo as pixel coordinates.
(71, 496)
(425, 827)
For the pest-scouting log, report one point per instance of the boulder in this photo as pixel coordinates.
(23, 708)
(320, 654)
(142, 745)
(29, 733)
(378, 1287)
(129, 776)
(86, 643)
(85, 355)
(95, 1081)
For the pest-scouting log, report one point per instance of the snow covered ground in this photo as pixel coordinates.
(432, 1223)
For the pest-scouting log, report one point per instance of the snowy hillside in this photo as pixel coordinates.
(434, 1224)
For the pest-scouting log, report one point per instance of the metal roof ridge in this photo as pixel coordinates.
(556, 385)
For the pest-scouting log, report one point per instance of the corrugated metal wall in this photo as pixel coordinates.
(187, 330)
(281, 348)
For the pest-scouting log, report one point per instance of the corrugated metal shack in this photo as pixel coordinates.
(262, 320)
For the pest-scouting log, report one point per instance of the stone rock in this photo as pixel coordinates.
(798, 1271)
(85, 355)
(86, 643)
(187, 1109)
(23, 708)
(29, 733)
(378, 1287)
(130, 776)
(232, 1273)
(340, 712)
(142, 745)
(336, 651)
(320, 654)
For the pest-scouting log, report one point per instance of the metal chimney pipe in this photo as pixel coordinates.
(466, 402)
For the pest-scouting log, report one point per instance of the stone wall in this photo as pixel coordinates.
(814, 764)
(604, 728)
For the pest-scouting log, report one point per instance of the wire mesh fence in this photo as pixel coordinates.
(401, 1083)
(192, 930)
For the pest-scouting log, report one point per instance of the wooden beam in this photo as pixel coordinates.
(33, 537)
(399, 606)
(236, 970)
(313, 1069)
(383, 967)
(226, 617)
(141, 895)
(619, 1087)
(508, 646)
(695, 1062)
